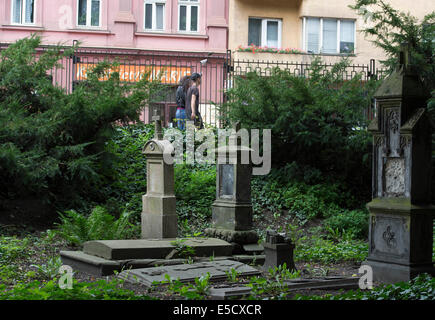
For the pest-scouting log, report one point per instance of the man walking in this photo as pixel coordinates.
(192, 101)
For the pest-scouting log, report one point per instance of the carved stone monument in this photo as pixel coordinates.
(401, 216)
(232, 210)
(159, 218)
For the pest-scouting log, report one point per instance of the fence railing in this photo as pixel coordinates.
(219, 72)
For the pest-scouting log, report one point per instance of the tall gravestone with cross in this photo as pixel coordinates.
(401, 216)
(159, 217)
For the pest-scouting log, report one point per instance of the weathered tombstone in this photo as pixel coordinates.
(401, 217)
(232, 210)
(159, 218)
(278, 250)
(218, 270)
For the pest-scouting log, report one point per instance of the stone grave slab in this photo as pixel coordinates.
(187, 272)
(154, 249)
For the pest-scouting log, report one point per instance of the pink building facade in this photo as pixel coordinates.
(168, 37)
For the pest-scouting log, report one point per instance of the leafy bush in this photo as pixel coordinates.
(195, 189)
(355, 221)
(322, 250)
(420, 288)
(127, 182)
(77, 228)
(52, 143)
(278, 192)
(315, 121)
(100, 290)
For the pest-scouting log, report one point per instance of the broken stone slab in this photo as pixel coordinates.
(154, 249)
(97, 266)
(187, 272)
(327, 283)
(93, 265)
(250, 259)
(253, 248)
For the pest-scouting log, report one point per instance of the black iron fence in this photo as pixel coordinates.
(219, 72)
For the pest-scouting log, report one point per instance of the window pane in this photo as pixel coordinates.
(194, 18)
(347, 36)
(254, 32)
(17, 11)
(148, 16)
(30, 5)
(183, 17)
(82, 12)
(160, 11)
(95, 13)
(312, 35)
(329, 36)
(272, 34)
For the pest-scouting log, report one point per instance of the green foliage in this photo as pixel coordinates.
(315, 121)
(99, 290)
(12, 251)
(182, 249)
(50, 269)
(197, 291)
(420, 288)
(318, 249)
(355, 222)
(232, 275)
(195, 189)
(127, 182)
(77, 228)
(389, 28)
(52, 143)
(283, 273)
(277, 192)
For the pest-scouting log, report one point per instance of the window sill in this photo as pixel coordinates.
(22, 27)
(331, 54)
(170, 35)
(85, 30)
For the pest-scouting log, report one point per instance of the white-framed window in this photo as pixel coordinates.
(326, 35)
(188, 15)
(265, 32)
(23, 12)
(154, 15)
(89, 13)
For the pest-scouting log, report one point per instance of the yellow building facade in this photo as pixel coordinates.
(328, 28)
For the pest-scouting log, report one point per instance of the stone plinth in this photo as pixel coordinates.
(278, 250)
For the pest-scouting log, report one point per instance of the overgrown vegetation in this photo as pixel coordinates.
(420, 288)
(52, 143)
(316, 122)
(99, 290)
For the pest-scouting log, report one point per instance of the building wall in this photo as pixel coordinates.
(292, 11)
(122, 25)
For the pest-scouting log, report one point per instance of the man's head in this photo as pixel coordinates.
(196, 77)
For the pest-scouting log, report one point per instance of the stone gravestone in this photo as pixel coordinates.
(401, 217)
(232, 210)
(159, 218)
(278, 250)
